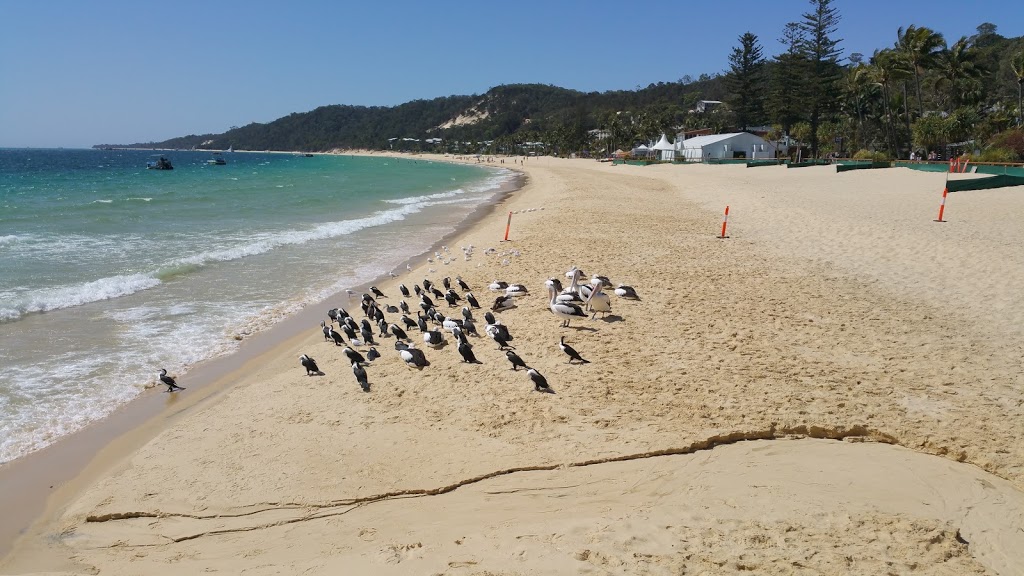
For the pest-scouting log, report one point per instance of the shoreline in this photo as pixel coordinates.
(809, 322)
(56, 471)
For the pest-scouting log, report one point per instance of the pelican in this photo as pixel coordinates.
(598, 301)
(360, 374)
(171, 384)
(571, 352)
(497, 286)
(602, 280)
(515, 360)
(554, 283)
(626, 292)
(466, 350)
(503, 303)
(414, 358)
(540, 383)
(433, 338)
(516, 290)
(309, 364)
(565, 310)
(571, 294)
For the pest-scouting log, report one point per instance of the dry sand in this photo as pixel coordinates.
(836, 309)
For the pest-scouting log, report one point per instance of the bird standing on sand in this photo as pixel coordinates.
(540, 383)
(598, 301)
(466, 350)
(309, 364)
(433, 338)
(352, 355)
(360, 374)
(472, 300)
(564, 310)
(327, 331)
(515, 360)
(171, 384)
(398, 332)
(571, 352)
(462, 284)
(376, 292)
(403, 290)
(372, 354)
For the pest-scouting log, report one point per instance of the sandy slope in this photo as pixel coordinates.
(837, 308)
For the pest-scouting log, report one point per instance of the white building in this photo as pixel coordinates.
(735, 145)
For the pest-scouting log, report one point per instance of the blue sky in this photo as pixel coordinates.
(78, 73)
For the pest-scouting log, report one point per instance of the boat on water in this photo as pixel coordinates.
(159, 162)
(217, 160)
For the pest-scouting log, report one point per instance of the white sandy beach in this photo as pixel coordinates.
(872, 356)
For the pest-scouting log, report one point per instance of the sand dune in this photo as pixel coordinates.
(835, 309)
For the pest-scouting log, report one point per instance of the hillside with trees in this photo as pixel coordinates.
(924, 93)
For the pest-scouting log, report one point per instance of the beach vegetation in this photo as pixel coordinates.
(873, 155)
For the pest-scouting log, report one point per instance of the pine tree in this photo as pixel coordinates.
(745, 81)
(787, 81)
(822, 54)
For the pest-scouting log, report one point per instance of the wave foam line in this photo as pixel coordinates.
(76, 295)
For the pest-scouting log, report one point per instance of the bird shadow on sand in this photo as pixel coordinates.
(612, 318)
(582, 328)
(546, 391)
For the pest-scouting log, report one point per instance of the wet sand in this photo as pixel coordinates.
(836, 309)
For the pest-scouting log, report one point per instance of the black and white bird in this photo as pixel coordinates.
(409, 322)
(377, 292)
(598, 301)
(413, 357)
(421, 321)
(451, 298)
(336, 336)
(366, 333)
(372, 354)
(515, 360)
(459, 335)
(171, 384)
(497, 286)
(309, 364)
(383, 327)
(404, 307)
(433, 338)
(626, 292)
(349, 328)
(425, 302)
(466, 351)
(489, 318)
(516, 290)
(503, 303)
(326, 329)
(540, 383)
(332, 314)
(353, 356)
(467, 314)
(472, 300)
(571, 352)
(602, 280)
(500, 338)
(469, 327)
(554, 283)
(398, 332)
(403, 290)
(360, 374)
(462, 284)
(564, 310)
(447, 282)
(427, 284)
(392, 309)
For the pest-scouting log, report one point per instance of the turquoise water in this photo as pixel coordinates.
(109, 271)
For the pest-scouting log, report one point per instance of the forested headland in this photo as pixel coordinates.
(923, 93)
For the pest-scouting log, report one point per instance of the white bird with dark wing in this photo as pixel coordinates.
(360, 374)
(564, 310)
(626, 292)
(497, 286)
(309, 364)
(433, 338)
(540, 383)
(503, 303)
(413, 357)
(598, 301)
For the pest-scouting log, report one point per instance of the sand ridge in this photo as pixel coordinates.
(763, 335)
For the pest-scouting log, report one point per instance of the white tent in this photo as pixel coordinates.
(734, 145)
(641, 151)
(664, 149)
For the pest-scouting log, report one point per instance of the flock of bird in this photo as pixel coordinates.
(434, 326)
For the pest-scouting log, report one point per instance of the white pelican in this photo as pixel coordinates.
(599, 301)
(497, 286)
(564, 310)
(503, 303)
(516, 290)
(627, 292)
(602, 280)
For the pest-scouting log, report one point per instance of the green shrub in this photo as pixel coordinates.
(875, 156)
(997, 154)
(1010, 140)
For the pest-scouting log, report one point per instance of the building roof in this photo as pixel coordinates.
(701, 141)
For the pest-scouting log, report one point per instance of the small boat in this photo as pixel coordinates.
(159, 162)
(217, 160)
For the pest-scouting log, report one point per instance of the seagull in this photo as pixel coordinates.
(466, 350)
(540, 383)
(171, 384)
(309, 364)
(626, 292)
(360, 374)
(515, 360)
(565, 310)
(571, 352)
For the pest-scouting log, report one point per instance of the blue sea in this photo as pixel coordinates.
(109, 271)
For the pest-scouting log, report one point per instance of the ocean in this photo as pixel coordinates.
(110, 271)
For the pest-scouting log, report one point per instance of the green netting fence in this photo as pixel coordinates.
(867, 165)
(999, 181)
(808, 163)
(773, 162)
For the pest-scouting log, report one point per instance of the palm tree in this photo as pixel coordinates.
(1017, 65)
(886, 68)
(919, 47)
(955, 65)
